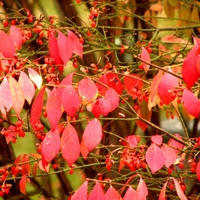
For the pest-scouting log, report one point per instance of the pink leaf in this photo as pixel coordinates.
(198, 171)
(162, 195)
(191, 103)
(131, 83)
(16, 36)
(146, 57)
(66, 81)
(35, 77)
(87, 90)
(189, 69)
(97, 193)
(155, 158)
(169, 155)
(142, 190)
(157, 139)
(132, 141)
(131, 194)
(92, 134)
(70, 145)
(54, 53)
(77, 46)
(101, 106)
(81, 193)
(17, 95)
(27, 86)
(177, 146)
(7, 46)
(36, 109)
(179, 191)
(53, 108)
(113, 97)
(70, 100)
(5, 103)
(112, 194)
(50, 146)
(22, 184)
(166, 88)
(65, 47)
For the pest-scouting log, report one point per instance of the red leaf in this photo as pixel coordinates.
(70, 145)
(157, 139)
(177, 146)
(53, 108)
(50, 146)
(81, 193)
(162, 195)
(97, 193)
(17, 95)
(132, 82)
(65, 47)
(101, 106)
(112, 194)
(155, 158)
(16, 36)
(36, 109)
(26, 168)
(169, 155)
(131, 194)
(189, 69)
(87, 90)
(77, 46)
(198, 171)
(191, 103)
(179, 191)
(10, 133)
(7, 46)
(146, 57)
(66, 81)
(112, 81)
(5, 92)
(113, 97)
(166, 88)
(27, 86)
(22, 184)
(84, 149)
(54, 53)
(92, 134)
(145, 113)
(70, 100)
(154, 85)
(35, 77)
(142, 190)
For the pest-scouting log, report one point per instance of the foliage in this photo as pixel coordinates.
(100, 117)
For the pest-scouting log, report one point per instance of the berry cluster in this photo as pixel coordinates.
(5, 189)
(109, 162)
(39, 131)
(19, 128)
(133, 158)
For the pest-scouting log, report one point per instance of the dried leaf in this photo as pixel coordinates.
(35, 77)
(17, 96)
(27, 86)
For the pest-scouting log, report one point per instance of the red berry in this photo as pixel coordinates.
(81, 40)
(194, 164)
(30, 18)
(75, 64)
(108, 165)
(5, 23)
(193, 169)
(19, 123)
(1, 193)
(171, 186)
(122, 50)
(13, 22)
(181, 165)
(170, 170)
(71, 171)
(93, 24)
(183, 187)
